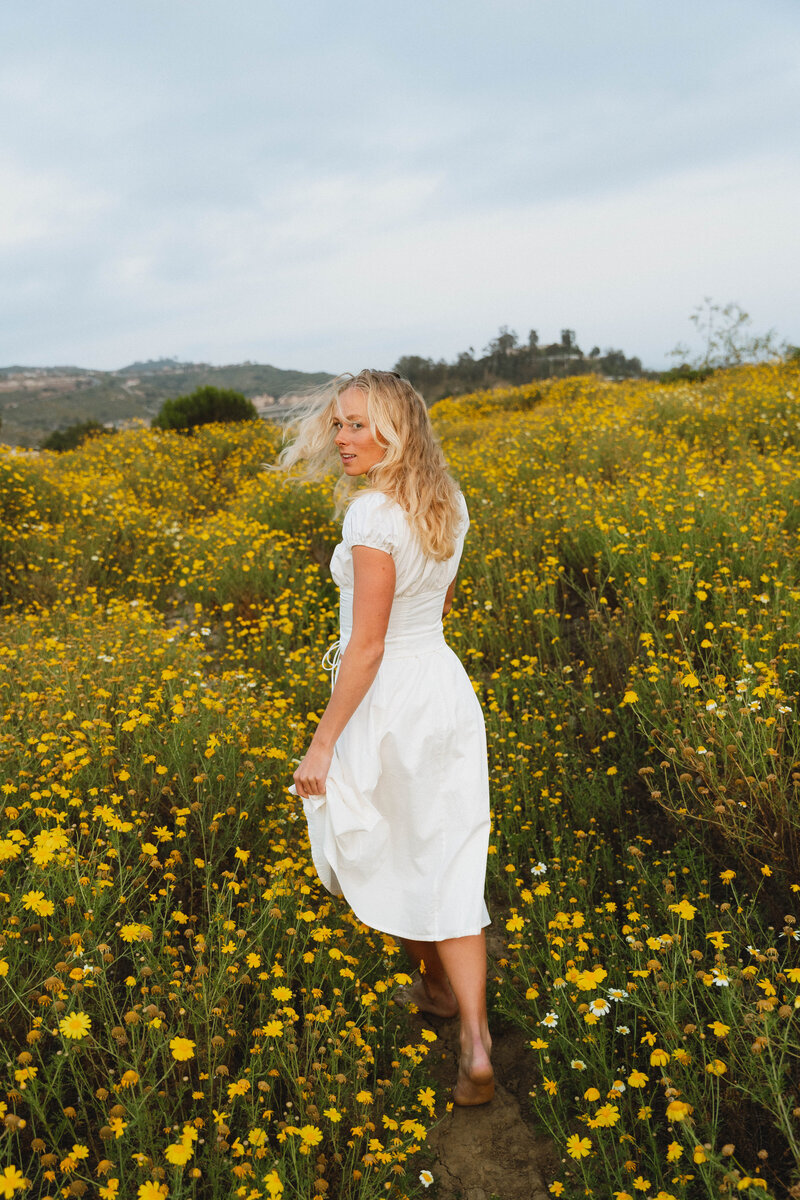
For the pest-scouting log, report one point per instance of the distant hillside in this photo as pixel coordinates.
(36, 400)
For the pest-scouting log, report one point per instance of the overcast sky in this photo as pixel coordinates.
(326, 186)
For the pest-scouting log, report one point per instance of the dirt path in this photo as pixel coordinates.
(492, 1152)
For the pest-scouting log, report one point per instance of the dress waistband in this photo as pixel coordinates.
(402, 645)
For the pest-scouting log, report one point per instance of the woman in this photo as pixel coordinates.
(395, 783)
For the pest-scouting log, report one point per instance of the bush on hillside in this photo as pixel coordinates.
(204, 406)
(73, 436)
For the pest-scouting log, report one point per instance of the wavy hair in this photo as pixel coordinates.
(412, 472)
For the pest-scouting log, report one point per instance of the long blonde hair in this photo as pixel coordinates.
(413, 471)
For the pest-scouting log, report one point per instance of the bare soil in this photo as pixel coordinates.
(494, 1151)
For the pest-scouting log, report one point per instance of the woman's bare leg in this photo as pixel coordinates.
(433, 993)
(463, 961)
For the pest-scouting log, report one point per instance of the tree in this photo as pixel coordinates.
(503, 345)
(73, 436)
(727, 341)
(204, 406)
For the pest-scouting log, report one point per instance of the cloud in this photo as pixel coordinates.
(317, 185)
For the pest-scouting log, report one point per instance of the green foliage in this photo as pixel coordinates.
(205, 406)
(73, 436)
(507, 360)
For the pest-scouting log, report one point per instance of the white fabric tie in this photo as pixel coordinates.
(331, 659)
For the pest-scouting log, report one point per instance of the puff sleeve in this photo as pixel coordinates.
(371, 521)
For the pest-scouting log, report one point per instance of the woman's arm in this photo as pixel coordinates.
(373, 583)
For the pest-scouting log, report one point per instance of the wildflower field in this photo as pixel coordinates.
(185, 1013)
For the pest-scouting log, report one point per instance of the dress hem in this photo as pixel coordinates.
(419, 937)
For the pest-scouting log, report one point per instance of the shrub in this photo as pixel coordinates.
(204, 406)
(73, 436)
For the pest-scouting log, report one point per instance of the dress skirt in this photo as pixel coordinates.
(403, 828)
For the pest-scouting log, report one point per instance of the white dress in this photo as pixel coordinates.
(403, 829)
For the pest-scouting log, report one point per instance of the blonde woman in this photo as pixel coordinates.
(395, 783)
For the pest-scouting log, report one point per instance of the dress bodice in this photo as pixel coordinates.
(415, 621)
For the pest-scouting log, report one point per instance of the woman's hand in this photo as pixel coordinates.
(311, 776)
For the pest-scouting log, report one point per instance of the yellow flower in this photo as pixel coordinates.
(129, 1079)
(678, 1110)
(674, 1151)
(274, 1185)
(273, 1029)
(727, 876)
(179, 1153)
(719, 1029)
(716, 1067)
(152, 1190)
(550, 1086)
(578, 1147)
(182, 1048)
(683, 909)
(310, 1135)
(699, 1155)
(718, 938)
(606, 1116)
(12, 1180)
(75, 1026)
(282, 994)
(637, 1079)
(35, 902)
(659, 1057)
(630, 697)
(586, 981)
(135, 931)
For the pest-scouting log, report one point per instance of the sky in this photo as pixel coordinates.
(330, 186)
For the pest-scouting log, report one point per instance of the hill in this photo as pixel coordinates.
(36, 400)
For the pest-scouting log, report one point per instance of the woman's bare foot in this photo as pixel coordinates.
(436, 1002)
(475, 1083)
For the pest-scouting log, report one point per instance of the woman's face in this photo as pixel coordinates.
(357, 448)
